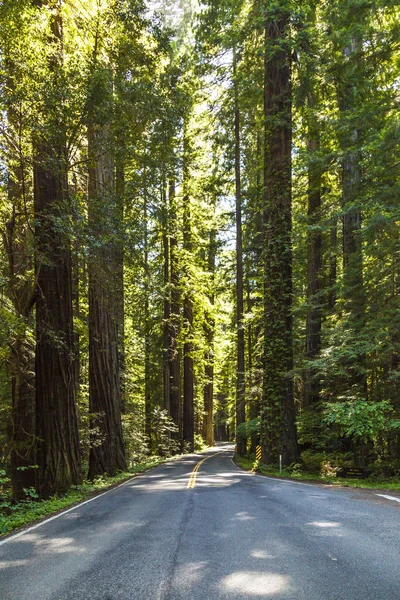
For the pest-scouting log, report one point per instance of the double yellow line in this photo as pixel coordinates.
(193, 475)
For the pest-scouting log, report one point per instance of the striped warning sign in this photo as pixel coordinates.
(258, 452)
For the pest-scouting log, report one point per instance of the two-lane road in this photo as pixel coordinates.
(202, 532)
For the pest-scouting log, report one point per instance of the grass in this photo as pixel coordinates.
(248, 464)
(15, 516)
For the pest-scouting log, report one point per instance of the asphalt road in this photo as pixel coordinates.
(228, 535)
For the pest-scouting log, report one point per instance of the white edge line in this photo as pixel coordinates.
(389, 497)
(278, 479)
(68, 510)
(64, 512)
(300, 483)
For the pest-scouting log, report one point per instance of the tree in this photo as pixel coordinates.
(107, 454)
(279, 434)
(57, 451)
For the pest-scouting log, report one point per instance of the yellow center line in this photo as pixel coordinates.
(193, 474)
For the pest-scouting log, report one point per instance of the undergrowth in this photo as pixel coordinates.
(16, 515)
(249, 464)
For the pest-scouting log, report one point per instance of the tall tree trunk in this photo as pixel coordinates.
(119, 265)
(107, 453)
(353, 287)
(255, 328)
(57, 452)
(209, 330)
(167, 306)
(314, 265)
(147, 395)
(278, 433)
(174, 356)
(332, 275)
(21, 292)
(240, 365)
(188, 375)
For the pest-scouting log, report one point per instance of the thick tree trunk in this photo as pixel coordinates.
(278, 433)
(119, 266)
(188, 374)
(332, 267)
(353, 287)
(22, 424)
(209, 331)
(147, 362)
(167, 309)
(188, 377)
(240, 365)
(314, 268)
(107, 453)
(57, 452)
(22, 295)
(174, 354)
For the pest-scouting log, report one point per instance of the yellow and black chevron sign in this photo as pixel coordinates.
(258, 452)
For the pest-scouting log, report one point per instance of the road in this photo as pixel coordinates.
(219, 533)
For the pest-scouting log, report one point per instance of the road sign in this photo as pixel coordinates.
(258, 452)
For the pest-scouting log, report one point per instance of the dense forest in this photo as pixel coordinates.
(200, 234)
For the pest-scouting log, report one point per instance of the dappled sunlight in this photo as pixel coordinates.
(327, 528)
(28, 538)
(59, 545)
(214, 481)
(256, 583)
(243, 516)
(190, 573)
(262, 554)
(324, 524)
(4, 564)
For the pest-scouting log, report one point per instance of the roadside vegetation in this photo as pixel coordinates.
(326, 475)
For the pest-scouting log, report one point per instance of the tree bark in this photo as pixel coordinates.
(147, 363)
(107, 454)
(57, 451)
(174, 354)
(21, 292)
(119, 265)
(278, 424)
(353, 286)
(314, 266)
(188, 375)
(240, 365)
(209, 331)
(167, 307)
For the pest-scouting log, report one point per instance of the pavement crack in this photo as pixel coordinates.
(187, 515)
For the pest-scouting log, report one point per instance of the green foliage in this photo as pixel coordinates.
(360, 419)
(248, 428)
(15, 515)
(199, 443)
(164, 432)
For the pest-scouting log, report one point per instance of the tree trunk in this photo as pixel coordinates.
(332, 267)
(240, 365)
(57, 452)
(174, 355)
(119, 266)
(209, 331)
(167, 308)
(147, 364)
(188, 375)
(278, 424)
(353, 287)
(107, 454)
(314, 266)
(21, 292)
